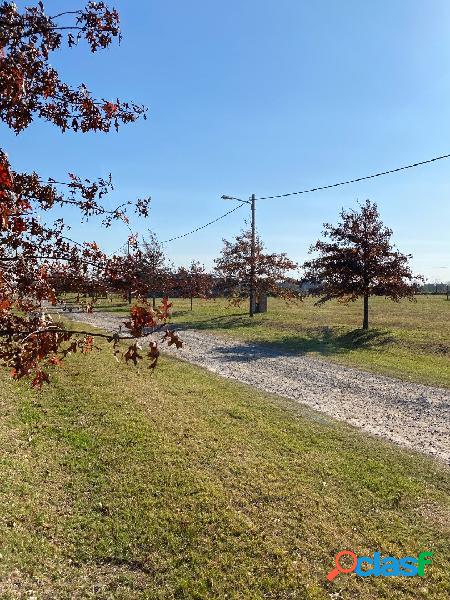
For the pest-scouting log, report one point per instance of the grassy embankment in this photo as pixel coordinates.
(117, 484)
(410, 340)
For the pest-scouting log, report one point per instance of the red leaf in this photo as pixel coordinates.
(110, 109)
(39, 379)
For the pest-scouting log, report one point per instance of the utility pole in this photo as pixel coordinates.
(252, 257)
(129, 289)
(252, 202)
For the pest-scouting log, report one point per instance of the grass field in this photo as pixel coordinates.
(410, 340)
(118, 484)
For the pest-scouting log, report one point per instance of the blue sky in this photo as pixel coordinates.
(265, 96)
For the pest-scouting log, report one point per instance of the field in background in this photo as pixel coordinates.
(410, 340)
(117, 483)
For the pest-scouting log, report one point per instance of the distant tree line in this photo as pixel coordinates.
(434, 288)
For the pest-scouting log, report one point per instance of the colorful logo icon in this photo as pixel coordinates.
(376, 566)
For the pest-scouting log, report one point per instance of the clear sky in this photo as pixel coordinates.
(265, 96)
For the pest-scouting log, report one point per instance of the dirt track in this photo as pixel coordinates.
(413, 415)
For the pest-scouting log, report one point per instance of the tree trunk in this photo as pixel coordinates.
(366, 312)
(129, 296)
(154, 301)
(191, 302)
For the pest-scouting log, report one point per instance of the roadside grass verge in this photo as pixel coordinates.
(409, 340)
(119, 484)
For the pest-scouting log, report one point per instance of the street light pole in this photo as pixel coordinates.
(129, 289)
(252, 258)
(252, 202)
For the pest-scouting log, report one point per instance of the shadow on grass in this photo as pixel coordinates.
(321, 340)
(112, 308)
(233, 321)
(326, 345)
(219, 321)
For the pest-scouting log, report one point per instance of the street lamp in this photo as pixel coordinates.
(252, 202)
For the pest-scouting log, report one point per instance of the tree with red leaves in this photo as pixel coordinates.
(193, 282)
(34, 255)
(359, 261)
(124, 274)
(155, 271)
(271, 270)
(142, 272)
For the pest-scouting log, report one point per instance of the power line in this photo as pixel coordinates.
(203, 226)
(333, 185)
(307, 191)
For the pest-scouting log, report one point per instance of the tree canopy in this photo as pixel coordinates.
(233, 266)
(35, 252)
(193, 282)
(357, 259)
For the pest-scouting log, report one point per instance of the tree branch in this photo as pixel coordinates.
(27, 334)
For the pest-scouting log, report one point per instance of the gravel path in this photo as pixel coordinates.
(413, 415)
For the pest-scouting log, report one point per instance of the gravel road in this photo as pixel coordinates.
(413, 415)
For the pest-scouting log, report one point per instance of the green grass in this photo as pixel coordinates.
(410, 340)
(118, 484)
